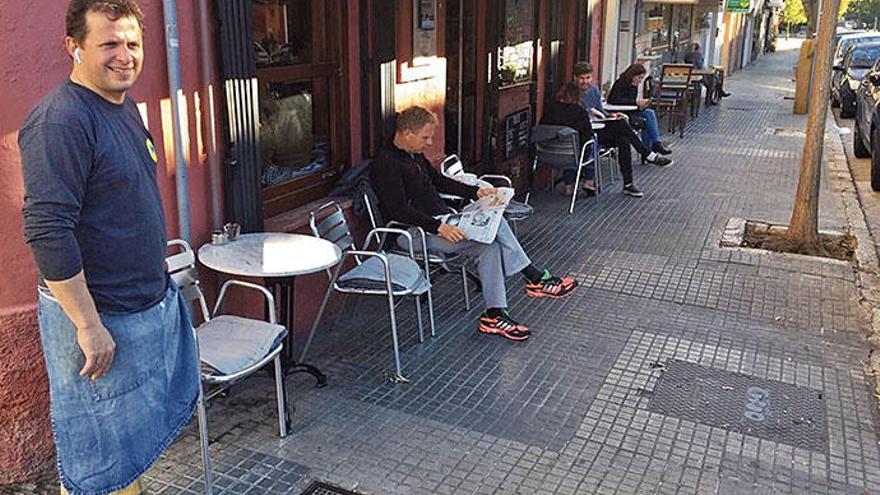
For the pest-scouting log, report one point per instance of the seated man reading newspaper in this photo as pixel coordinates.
(408, 189)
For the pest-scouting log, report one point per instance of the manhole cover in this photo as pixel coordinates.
(321, 488)
(766, 409)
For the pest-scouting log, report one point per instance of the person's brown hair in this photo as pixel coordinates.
(581, 68)
(633, 71)
(75, 21)
(569, 93)
(414, 118)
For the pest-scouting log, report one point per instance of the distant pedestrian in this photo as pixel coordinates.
(117, 339)
(714, 85)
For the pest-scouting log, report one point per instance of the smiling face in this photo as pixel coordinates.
(111, 55)
(584, 81)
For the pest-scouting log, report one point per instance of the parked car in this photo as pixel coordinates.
(866, 134)
(845, 42)
(857, 61)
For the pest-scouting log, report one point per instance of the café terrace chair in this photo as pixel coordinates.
(435, 259)
(375, 273)
(230, 347)
(451, 166)
(671, 94)
(558, 147)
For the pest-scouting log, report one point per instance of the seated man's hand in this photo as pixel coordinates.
(451, 233)
(487, 191)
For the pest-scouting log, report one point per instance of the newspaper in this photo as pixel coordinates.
(480, 220)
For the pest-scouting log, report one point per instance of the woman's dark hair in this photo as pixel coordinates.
(633, 71)
(569, 93)
(75, 21)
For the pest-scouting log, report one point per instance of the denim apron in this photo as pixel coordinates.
(109, 431)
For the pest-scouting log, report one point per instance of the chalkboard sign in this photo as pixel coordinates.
(516, 132)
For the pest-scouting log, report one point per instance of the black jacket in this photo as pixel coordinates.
(408, 188)
(570, 115)
(623, 93)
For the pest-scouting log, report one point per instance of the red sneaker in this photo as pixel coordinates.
(504, 326)
(553, 287)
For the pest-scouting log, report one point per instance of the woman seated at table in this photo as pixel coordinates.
(625, 91)
(567, 111)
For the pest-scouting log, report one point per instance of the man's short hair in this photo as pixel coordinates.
(414, 118)
(582, 68)
(75, 21)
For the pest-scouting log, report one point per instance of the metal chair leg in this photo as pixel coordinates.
(203, 440)
(398, 376)
(464, 286)
(281, 395)
(431, 312)
(419, 318)
(302, 356)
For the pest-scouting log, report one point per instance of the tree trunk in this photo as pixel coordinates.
(803, 228)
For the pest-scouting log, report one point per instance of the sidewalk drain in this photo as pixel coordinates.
(778, 131)
(767, 409)
(321, 488)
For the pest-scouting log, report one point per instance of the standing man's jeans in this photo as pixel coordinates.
(651, 132)
(496, 261)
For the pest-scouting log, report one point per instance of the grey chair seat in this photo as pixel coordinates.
(517, 210)
(406, 276)
(230, 343)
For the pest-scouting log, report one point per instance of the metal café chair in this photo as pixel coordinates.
(558, 147)
(515, 212)
(230, 347)
(442, 261)
(376, 273)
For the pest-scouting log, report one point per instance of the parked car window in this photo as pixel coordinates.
(864, 57)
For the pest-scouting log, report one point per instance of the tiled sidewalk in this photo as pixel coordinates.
(678, 367)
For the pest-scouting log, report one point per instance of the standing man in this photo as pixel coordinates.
(117, 339)
(408, 188)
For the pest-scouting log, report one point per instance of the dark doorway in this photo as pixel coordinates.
(460, 107)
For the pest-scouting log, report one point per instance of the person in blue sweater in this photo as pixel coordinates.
(116, 335)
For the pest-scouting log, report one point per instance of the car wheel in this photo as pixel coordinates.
(875, 162)
(859, 148)
(847, 108)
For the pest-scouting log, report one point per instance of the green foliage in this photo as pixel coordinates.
(863, 12)
(793, 13)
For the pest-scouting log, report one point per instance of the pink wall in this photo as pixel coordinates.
(32, 62)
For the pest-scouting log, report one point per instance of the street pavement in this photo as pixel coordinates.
(679, 367)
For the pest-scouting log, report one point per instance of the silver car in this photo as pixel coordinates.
(845, 42)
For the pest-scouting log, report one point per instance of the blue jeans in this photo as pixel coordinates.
(651, 132)
(109, 431)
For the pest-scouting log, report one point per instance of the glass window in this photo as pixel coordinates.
(654, 23)
(282, 32)
(294, 131)
(681, 27)
(515, 56)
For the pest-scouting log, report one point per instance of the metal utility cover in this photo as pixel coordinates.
(321, 488)
(766, 409)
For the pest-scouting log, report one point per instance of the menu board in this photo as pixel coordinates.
(516, 132)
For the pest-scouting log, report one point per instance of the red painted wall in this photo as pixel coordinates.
(32, 63)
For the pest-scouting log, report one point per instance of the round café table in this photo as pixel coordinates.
(277, 258)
